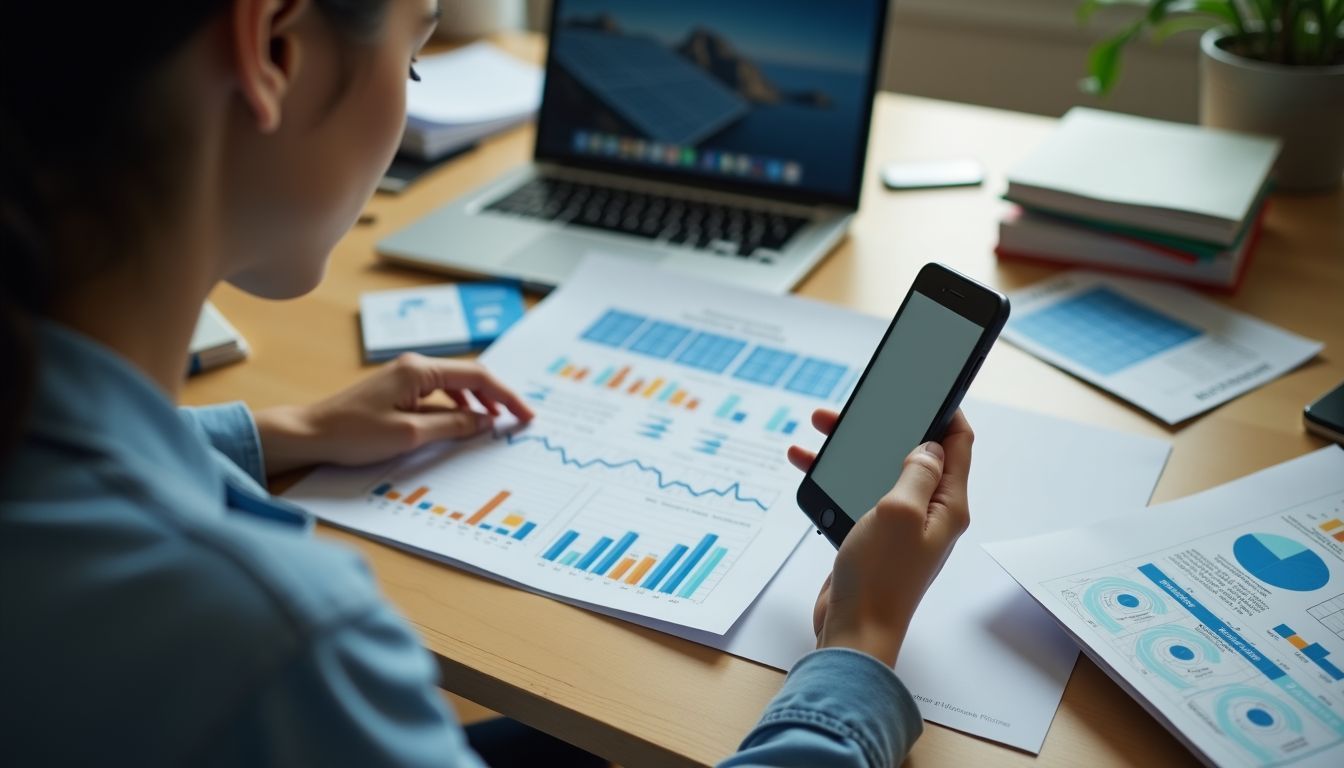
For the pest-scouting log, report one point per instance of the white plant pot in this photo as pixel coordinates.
(1303, 106)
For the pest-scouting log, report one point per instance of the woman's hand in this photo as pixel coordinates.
(894, 552)
(387, 414)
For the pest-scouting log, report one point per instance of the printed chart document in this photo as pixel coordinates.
(980, 655)
(653, 481)
(1165, 349)
(1221, 613)
(653, 487)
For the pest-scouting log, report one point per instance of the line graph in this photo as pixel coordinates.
(733, 491)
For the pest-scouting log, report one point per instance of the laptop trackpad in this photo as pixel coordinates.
(558, 256)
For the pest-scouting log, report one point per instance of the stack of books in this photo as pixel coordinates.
(1139, 196)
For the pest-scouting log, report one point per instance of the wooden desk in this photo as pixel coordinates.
(643, 698)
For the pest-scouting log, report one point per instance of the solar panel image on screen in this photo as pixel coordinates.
(662, 94)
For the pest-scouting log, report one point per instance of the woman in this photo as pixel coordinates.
(159, 607)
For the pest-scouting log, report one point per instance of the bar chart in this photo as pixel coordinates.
(656, 558)
(621, 379)
(715, 353)
(1313, 651)
(514, 524)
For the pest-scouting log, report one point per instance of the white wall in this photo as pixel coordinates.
(1029, 55)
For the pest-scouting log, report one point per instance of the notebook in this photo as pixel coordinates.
(215, 342)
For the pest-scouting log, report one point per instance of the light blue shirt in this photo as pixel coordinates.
(159, 607)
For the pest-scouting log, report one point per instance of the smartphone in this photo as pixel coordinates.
(1325, 417)
(906, 396)
(932, 174)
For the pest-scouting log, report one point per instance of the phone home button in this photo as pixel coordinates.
(828, 518)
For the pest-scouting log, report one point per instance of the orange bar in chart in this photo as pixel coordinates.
(489, 507)
(692, 404)
(393, 495)
(1297, 642)
(581, 374)
(640, 570)
(513, 520)
(621, 568)
(438, 510)
(677, 397)
(456, 516)
(415, 495)
(638, 385)
(653, 387)
(619, 377)
(1339, 535)
(1330, 525)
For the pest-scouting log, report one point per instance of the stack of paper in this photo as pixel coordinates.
(465, 96)
(1144, 196)
(215, 342)
(1221, 613)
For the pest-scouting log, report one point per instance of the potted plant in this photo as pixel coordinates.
(1273, 67)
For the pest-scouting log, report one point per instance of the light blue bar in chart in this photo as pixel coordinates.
(570, 558)
(606, 375)
(685, 569)
(615, 554)
(726, 409)
(557, 365)
(777, 420)
(662, 569)
(701, 574)
(668, 391)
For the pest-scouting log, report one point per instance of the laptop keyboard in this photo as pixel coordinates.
(723, 229)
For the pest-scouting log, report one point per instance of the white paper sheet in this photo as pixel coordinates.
(665, 406)
(1165, 349)
(475, 84)
(981, 656)
(1222, 613)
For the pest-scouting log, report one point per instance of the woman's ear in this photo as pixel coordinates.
(267, 53)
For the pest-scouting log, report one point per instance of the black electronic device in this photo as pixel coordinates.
(1325, 417)
(907, 395)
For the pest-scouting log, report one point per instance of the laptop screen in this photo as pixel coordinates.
(769, 97)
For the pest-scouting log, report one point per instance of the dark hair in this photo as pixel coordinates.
(87, 150)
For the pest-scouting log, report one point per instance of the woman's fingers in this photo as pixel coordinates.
(824, 419)
(801, 458)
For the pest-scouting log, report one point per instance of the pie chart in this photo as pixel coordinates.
(1281, 562)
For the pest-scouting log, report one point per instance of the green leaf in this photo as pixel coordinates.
(1089, 7)
(1103, 61)
(1182, 24)
(1221, 9)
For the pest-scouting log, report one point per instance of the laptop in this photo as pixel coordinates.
(720, 139)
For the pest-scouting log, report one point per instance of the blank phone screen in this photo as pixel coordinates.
(896, 404)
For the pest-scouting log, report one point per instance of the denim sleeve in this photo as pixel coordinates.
(363, 693)
(230, 429)
(837, 708)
